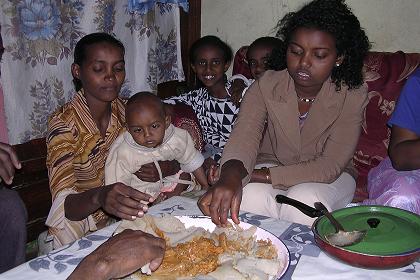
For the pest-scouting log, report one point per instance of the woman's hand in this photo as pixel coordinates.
(225, 195)
(8, 163)
(149, 173)
(121, 255)
(123, 201)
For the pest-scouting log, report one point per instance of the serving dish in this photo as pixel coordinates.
(392, 236)
(282, 251)
(392, 239)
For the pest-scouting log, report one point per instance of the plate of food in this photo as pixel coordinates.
(197, 249)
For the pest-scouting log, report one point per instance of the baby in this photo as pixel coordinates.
(150, 137)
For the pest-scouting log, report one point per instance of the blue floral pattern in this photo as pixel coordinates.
(39, 37)
(105, 15)
(50, 30)
(144, 6)
(38, 19)
(60, 262)
(47, 95)
(162, 60)
(142, 25)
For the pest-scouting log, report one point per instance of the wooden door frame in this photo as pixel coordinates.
(190, 32)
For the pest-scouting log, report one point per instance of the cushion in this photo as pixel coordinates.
(386, 74)
(184, 117)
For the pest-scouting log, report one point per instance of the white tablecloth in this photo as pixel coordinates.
(307, 260)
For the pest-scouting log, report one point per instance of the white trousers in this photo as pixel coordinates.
(260, 198)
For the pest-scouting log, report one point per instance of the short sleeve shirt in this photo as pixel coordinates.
(76, 150)
(407, 112)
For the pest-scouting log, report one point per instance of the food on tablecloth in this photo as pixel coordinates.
(195, 253)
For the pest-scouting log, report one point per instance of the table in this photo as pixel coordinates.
(307, 260)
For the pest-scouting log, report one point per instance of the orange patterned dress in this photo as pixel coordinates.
(75, 160)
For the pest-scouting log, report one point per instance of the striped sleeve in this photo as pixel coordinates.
(60, 155)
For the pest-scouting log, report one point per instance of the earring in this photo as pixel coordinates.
(337, 64)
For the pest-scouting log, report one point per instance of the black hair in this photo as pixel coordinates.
(146, 98)
(88, 40)
(271, 42)
(335, 18)
(213, 41)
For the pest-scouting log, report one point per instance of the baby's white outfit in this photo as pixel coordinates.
(126, 157)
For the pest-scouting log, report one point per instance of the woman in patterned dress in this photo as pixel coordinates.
(79, 137)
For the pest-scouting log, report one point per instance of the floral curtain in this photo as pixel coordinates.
(39, 37)
(142, 6)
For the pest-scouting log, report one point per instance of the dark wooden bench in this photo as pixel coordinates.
(31, 182)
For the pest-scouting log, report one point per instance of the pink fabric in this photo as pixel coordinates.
(390, 187)
(171, 186)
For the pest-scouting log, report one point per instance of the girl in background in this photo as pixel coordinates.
(210, 58)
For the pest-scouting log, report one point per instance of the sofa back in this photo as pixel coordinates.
(386, 74)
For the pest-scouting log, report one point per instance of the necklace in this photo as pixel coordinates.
(306, 100)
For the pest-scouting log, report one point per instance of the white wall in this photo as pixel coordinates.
(391, 25)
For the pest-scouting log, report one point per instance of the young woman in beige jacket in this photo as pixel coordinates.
(314, 110)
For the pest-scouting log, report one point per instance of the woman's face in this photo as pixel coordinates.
(311, 56)
(102, 73)
(209, 66)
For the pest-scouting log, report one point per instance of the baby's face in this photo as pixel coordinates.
(258, 60)
(147, 126)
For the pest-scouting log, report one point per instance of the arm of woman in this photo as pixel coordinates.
(8, 162)
(121, 255)
(261, 176)
(225, 195)
(337, 151)
(238, 160)
(404, 146)
(404, 149)
(116, 199)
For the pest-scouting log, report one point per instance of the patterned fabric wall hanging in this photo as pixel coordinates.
(39, 37)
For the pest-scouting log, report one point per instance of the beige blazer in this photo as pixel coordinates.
(319, 151)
